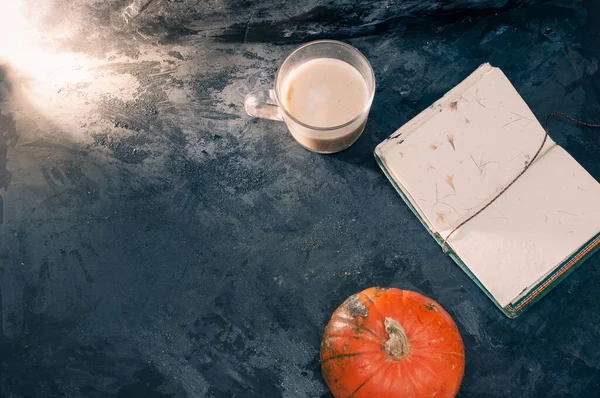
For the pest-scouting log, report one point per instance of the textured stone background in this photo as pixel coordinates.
(157, 242)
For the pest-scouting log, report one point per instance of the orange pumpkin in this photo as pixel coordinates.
(392, 343)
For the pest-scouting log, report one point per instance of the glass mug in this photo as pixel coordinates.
(269, 104)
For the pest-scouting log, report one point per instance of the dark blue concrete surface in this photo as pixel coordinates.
(157, 242)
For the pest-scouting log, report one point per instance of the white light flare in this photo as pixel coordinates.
(38, 68)
(31, 50)
(46, 79)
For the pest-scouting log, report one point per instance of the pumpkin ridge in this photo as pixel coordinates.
(407, 376)
(403, 296)
(424, 351)
(416, 331)
(458, 354)
(369, 298)
(417, 315)
(392, 380)
(403, 376)
(423, 366)
(347, 322)
(368, 379)
(353, 354)
(368, 329)
(370, 337)
(341, 319)
(362, 385)
(354, 321)
(374, 306)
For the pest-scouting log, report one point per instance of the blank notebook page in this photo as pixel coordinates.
(548, 214)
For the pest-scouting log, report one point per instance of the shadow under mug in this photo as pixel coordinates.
(268, 104)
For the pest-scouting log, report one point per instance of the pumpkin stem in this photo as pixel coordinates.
(397, 345)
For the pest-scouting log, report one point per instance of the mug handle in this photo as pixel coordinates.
(262, 104)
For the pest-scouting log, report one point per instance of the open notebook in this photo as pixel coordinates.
(455, 156)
